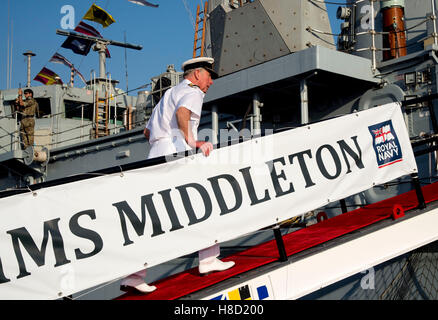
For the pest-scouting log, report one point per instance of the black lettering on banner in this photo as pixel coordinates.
(124, 209)
(357, 157)
(38, 255)
(156, 223)
(274, 177)
(193, 219)
(167, 200)
(303, 166)
(321, 164)
(250, 187)
(81, 232)
(219, 195)
(3, 279)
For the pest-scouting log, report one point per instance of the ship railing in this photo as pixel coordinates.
(14, 135)
(368, 32)
(16, 140)
(373, 32)
(14, 143)
(85, 126)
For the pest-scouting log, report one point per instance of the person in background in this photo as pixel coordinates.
(27, 109)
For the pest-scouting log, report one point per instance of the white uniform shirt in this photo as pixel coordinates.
(165, 136)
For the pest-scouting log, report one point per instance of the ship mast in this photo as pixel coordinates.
(100, 46)
(102, 86)
(29, 54)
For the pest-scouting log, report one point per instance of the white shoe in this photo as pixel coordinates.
(132, 284)
(215, 265)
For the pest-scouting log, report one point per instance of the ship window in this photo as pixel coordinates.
(74, 109)
(43, 107)
(120, 115)
(9, 105)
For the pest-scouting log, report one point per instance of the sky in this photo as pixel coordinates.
(166, 34)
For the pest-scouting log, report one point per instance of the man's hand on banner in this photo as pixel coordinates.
(205, 147)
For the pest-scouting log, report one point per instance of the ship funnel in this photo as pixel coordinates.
(394, 37)
(143, 106)
(142, 99)
(387, 29)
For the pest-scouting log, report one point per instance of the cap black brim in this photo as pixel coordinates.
(213, 73)
(205, 65)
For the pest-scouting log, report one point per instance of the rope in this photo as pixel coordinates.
(311, 29)
(328, 2)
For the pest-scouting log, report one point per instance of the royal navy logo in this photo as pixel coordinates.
(386, 144)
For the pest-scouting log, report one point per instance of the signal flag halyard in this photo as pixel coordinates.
(88, 30)
(83, 46)
(58, 58)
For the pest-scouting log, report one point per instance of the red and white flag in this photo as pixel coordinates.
(58, 58)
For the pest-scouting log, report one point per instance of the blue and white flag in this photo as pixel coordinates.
(144, 3)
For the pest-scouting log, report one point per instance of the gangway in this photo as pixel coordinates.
(109, 219)
(318, 255)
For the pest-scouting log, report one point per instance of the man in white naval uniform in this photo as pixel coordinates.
(172, 128)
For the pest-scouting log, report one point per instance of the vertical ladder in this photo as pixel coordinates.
(101, 116)
(201, 22)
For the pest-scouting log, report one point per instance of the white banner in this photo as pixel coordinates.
(67, 238)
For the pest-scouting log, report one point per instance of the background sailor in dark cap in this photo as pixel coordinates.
(28, 109)
(173, 127)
